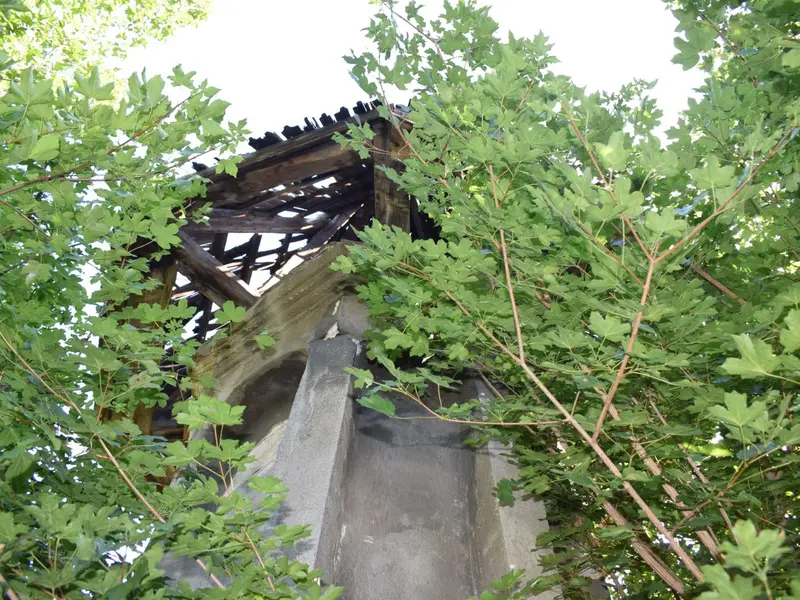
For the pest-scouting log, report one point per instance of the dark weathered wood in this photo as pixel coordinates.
(217, 250)
(257, 179)
(324, 235)
(224, 220)
(293, 146)
(165, 273)
(209, 274)
(391, 204)
(250, 258)
(334, 204)
(276, 199)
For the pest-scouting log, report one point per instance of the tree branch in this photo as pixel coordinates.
(621, 372)
(702, 225)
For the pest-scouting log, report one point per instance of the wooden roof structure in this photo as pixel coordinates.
(298, 191)
(303, 190)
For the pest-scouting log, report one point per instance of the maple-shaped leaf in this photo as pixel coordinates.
(790, 337)
(230, 313)
(610, 328)
(712, 175)
(736, 412)
(757, 358)
(614, 155)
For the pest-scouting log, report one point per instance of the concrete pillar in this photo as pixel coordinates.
(504, 536)
(311, 455)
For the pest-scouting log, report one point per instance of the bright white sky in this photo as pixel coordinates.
(278, 61)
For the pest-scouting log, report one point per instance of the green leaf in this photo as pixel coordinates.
(36, 272)
(609, 328)
(614, 155)
(264, 340)
(630, 201)
(791, 59)
(377, 403)
(228, 166)
(230, 313)
(737, 413)
(9, 530)
(394, 338)
(631, 474)
(45, 148)
(790, 336)
(180, 455)
(504, 490)
(20, 466)
(753, 548)
(664, 223)
(614, 533)
(757, 359)
(213, 129)
(166, 236)
(712, 175)
(741, 588)
(267, 485)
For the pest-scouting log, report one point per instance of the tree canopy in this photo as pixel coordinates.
(71, 35)
(90, 205)
(631, 297)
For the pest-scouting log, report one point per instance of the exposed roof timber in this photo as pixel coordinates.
(309, 192)
(225, 220)
(324, 235)
(345, 195)
(250, 258)
(257, 179)
(292, 146)
(209, 275)
(276, 199)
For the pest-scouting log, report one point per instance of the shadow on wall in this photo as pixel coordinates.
(268, 402)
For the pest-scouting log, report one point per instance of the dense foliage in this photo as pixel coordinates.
(89, 200)
(632, 298)
(53, 36)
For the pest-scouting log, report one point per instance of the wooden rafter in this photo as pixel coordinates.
(210, 276)
(225, 220)
(256, 179)
(250, 258)
(324, 235)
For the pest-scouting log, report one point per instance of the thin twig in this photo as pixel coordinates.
(704, 274)
(606, 184)
(504, 250)
(260, 560)
(12, 595)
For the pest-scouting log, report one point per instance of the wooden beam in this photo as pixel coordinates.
(217, 249)
(392, 206)
(250, 258)
(225, 220)
(293, 146)
(324, 235)
(165, 273)
(208, 274)
(257, 178)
